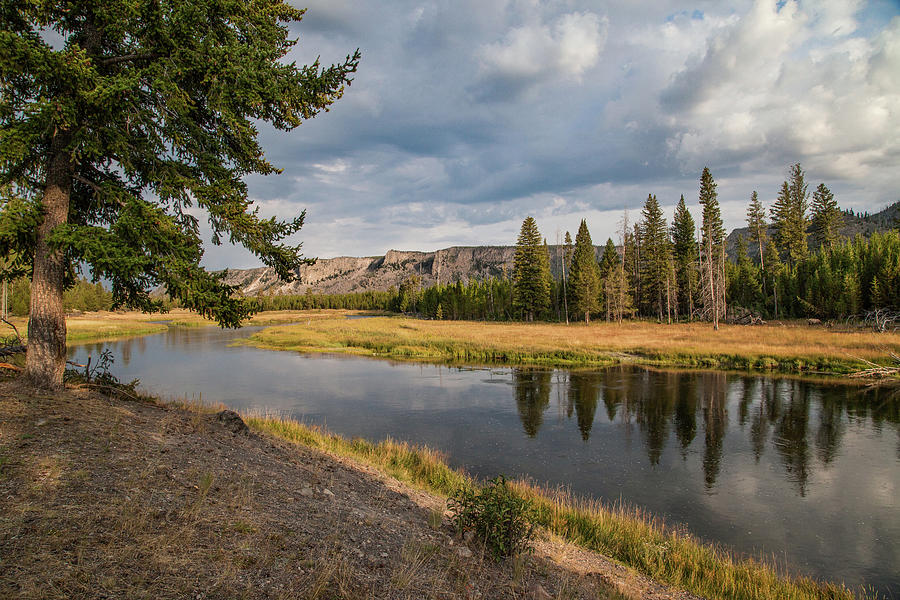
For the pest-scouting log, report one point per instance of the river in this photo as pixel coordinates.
(806, 474)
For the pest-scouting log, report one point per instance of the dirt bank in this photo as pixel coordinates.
(104, 497)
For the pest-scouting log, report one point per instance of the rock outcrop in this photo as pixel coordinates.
(347, 274)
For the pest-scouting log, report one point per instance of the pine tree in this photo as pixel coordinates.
(771, 274)
(567, 261)
(609, 259)
(686, 253)
(827, 218)
(145, 112)
(789, 218)
(584, 276)
(744, 285)
(531, 272)
(712, 244)
(618, 294)
(656, 254)
(756, 221)
(608, 265)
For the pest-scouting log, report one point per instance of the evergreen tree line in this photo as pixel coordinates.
(370, 300)
(677, 272)
(82, 296)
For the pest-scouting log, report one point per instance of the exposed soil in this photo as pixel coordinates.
(111, 498)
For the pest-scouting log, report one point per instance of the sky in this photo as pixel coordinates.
(467, 116)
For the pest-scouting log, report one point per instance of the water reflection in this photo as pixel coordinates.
(532, 393)
(790, 416)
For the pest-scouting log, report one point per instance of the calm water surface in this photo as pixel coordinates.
(805, 473)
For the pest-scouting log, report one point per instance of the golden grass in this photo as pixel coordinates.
(620, 532)
(98, 326)
(784, 348)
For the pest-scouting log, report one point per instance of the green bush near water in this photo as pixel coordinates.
(498, 516)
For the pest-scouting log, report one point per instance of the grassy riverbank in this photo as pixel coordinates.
(98, 326)
(624, 534)
(123, 495)
(793, 348)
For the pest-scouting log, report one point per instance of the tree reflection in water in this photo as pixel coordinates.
(788, 415)
(532, 392)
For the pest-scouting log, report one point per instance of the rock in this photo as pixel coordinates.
(468, 537)
(464, 552)
(347, 274)
(306, 492)
(328, 492)
(232, 422)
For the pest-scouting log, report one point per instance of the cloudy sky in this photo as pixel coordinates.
(466, 116)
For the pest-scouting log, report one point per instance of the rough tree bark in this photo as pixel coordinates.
(45, 360)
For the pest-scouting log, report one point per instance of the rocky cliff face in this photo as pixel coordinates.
(350, 274)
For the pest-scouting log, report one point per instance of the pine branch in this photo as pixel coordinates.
(113, 60)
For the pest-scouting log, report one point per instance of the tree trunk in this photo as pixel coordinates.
(45, 360)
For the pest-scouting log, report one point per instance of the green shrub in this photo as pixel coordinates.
(496, 515)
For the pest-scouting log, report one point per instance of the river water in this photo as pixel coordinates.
(806, 474)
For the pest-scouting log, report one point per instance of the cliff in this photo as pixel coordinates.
(346, 274)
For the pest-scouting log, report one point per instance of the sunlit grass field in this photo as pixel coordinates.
(98, 326)
(791, 348)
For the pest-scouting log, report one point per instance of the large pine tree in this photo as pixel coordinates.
(712, 248)
(756, 221)
(112, 138)
(789, 218)
(608, 265)
(656, 254)
(827, 218)
(686, 253)
(584, 276)
(531, 272)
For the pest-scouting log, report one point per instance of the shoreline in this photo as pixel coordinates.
(800, 350)
(67, 450)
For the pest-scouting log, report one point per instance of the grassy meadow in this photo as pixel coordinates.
(792, 348)
(98, 326)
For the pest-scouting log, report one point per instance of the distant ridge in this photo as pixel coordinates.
(346, 274)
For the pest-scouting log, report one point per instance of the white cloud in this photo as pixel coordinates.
(570, 46)
(775, 84)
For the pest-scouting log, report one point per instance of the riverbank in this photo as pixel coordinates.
(780, 348)
(85, 328)
(124, 496)
(115, 497)
(792, 348)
